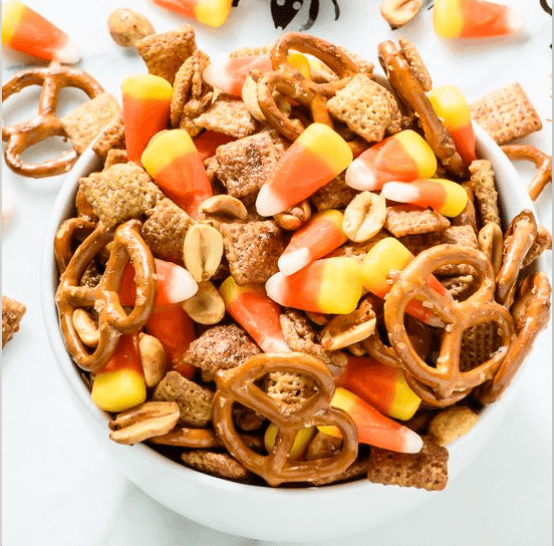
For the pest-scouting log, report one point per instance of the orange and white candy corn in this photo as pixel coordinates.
(146, 103)
(212, 13)
(320, 236)
(381, 385)
(173, 161)
(314, 159)
(374, 428)
(259, 315)
(391, 255)
(475, 19)
(404, 156)
(331, 285)
(444, 196)
(28, 32)
(451, 106)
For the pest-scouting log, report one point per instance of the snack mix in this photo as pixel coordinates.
(291, 271)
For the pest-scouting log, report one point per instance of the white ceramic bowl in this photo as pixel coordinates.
(261, 512)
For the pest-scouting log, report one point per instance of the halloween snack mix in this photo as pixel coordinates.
(268, 309)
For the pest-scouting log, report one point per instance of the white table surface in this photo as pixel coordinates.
(59, 489)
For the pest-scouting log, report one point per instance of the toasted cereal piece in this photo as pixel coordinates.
(366, 107)
(115, 156)
(165, 52)
(323, 446)
(195, 402)
(452, 423)
(405, 220)
(113, 136)
(289, 388)
(12, 313)
(459, 286)
(484, 190)
(85, 123)
(506, 114)
(122, 192)
(220, 348)
(356, 470)
(478, 344)
(335, 195)
(247, 419)
(192, 110)
(427, 469)
(247, 51)
(221, 465)
(468, 217)
(365, 67)
(165, 229)
(416, 63)
(454, 235)
(245, 165)
(253, 250)
(543, 242)
(230, 117)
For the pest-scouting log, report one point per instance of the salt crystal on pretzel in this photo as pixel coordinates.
(230, 117)
(403, 220)
(12, 313)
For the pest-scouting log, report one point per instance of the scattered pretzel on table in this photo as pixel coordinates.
(45, 124)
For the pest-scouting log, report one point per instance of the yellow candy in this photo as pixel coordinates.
(300, 445)
(118, 391)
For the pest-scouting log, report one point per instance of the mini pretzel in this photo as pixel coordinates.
(446, 383)
(531, 312)
(239, 385)
(44, 125)
(542, 162)
(66, 234)
(409, 91)
(113, 321)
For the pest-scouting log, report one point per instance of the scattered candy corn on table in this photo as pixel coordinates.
(54, 471)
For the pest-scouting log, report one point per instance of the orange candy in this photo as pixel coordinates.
(212, 13)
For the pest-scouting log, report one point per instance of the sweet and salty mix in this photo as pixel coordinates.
(291, 269)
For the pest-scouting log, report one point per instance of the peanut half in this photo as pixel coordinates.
(295, 217)
(222, 209)
(152, 358)
(202, 251)
(397, 13)
(364, 217)
(491, 243)
(206, 306)
(86, 327)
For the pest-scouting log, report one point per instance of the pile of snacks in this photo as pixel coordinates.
(292, 270)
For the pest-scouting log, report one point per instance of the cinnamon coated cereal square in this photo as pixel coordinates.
(216, 464)
(230, 117)
(407, 220)
(112, 137)
(334, 195)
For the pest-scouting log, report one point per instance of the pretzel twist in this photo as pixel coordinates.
(66, 234)
(446, 383)
(113, 321)
(239, 385)
(45, 124)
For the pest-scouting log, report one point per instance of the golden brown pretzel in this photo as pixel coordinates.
(446, 383)
(104, 298)
(542, 161)
(239, 385)
(71, 228)
(531, 312)
(45, 124)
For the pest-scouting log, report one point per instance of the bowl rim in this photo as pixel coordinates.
(86, 163)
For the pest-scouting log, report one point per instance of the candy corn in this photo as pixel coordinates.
(381, 385)
(251, 307)
(374, 428)
(444, 196)
(175, 330)
(474, 19)
(28, 32)
(404, 156)
(316, 157)
(120, 385)
(174, 284)
(229, 73)
(332, 285)
(320, 236)
(207, 143)
(172, 160)
(391, 255)
(299, 447)
(146, 105)
(451, 106)
(212, 13)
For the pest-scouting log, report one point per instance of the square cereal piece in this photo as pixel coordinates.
(195, 401)
(407, 220)
(115, 156)
(245, 165)
(112, 137)
(12, 313)
(221, 465)
(121, 192)
(484, 191)
(427, 469)
(165, 229)
(366, 107)
(220, 348)
(506, 114)
(165, 52)
(230, 117)
(85, 123)
(334, 195)
(253, 250)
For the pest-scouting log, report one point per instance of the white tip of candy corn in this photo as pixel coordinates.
(269, 203)
(69, 53)
(515, 21)
(274, 345)
(274, 288)
(180, 285)
(217, 74)
(402, 192)
(412, 441)
(360, 176)
(292, 262)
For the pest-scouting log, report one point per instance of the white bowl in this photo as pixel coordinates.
(261, 512)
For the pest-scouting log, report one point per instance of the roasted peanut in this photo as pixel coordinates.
(452, 423)
(202, 251)
(153, 359)
(206, 306)
(126, 27)
(364, 217)
(293, 218)
(221, 209)
(397, 13)
(491, 243)
(86, 327)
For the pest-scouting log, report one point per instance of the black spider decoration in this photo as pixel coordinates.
(284, 11)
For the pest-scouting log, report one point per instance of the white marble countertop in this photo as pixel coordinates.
(58, 487)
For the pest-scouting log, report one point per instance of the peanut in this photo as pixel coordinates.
(86, 328)
(491, 243)
(397, 13)
(127, 26)
(152, 358)
(206, 306)
(293, 218)
(202, 251)
(364, 217)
